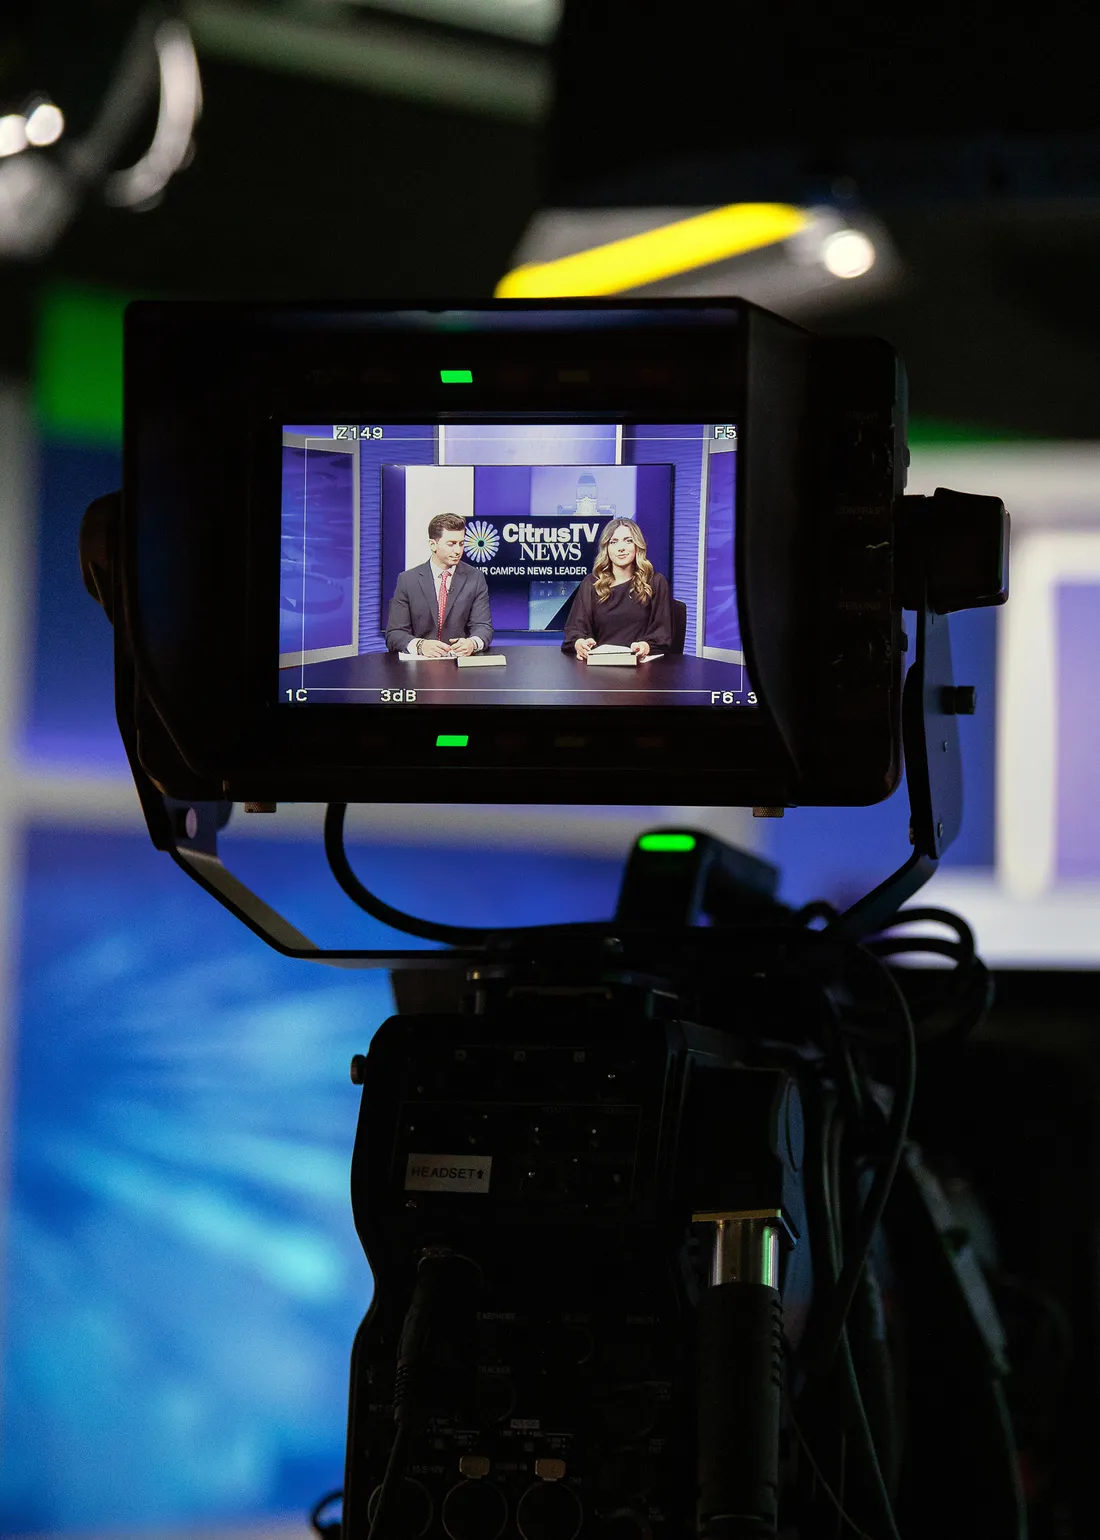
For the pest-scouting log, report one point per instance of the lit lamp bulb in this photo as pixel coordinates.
(13, 133)
(45, 125)
(847, 254)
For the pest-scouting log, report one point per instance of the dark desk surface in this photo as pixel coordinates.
(532, 676)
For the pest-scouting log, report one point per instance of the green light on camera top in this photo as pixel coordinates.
(666, 843)
(457, 376)
(452, 740)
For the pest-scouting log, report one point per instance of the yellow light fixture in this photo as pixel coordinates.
(639, 260)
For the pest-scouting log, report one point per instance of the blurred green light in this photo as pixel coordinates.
(78, 365)
(666, 843)
(457, 376)
(452, 740)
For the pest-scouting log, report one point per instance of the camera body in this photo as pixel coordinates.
(809, 714)
(590, 1188)
(571, 1149)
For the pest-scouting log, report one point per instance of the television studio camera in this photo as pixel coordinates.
(654, 1255)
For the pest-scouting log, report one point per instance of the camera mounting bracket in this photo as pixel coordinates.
(933, 776)
(188, 831)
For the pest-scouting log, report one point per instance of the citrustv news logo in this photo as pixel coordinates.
(482, 541)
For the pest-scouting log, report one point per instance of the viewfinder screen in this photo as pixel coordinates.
(510, 564)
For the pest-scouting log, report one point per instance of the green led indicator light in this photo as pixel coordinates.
(457, 376)
(456, 741)
(666, 843)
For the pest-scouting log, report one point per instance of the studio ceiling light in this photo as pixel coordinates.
(13, 133)
(651, 256)
(45, 124)
(848, 254)
(796, 260)
(178, 113)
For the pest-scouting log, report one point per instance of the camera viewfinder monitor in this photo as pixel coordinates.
(529, 564)
(532, 552)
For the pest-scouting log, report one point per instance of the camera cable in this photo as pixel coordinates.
(340, 866)
(948, 1007)
(438, 1286)
(819, 1476)
(850, 1378)
(430, 930)
(896, 1132)
(842, 1380)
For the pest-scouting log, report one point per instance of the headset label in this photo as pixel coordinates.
(448, 1173)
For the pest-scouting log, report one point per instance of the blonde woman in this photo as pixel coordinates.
(622, 600)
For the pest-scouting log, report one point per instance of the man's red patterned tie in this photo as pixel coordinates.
(443, 586)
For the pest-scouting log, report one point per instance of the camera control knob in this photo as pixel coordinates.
(474, 1510)
(549, 1511)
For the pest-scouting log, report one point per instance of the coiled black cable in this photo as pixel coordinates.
(928, 915)
(946, 1006)
(953, 1005)
(467, 936)
(427, 930)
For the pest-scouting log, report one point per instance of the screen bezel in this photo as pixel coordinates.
(201, 532)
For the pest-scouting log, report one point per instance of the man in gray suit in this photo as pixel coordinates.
(441, 609)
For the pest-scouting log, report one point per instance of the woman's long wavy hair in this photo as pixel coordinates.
(641, 579)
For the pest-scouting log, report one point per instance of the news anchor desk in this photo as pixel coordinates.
(532, 676)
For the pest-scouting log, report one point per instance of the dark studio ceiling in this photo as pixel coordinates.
(357, 151)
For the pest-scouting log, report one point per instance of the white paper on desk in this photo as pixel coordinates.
(483, 660)
(416, 657)
(649, 657)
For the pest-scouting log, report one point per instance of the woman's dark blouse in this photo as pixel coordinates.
(620, 618)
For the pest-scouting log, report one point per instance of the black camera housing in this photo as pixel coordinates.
(821, 466)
